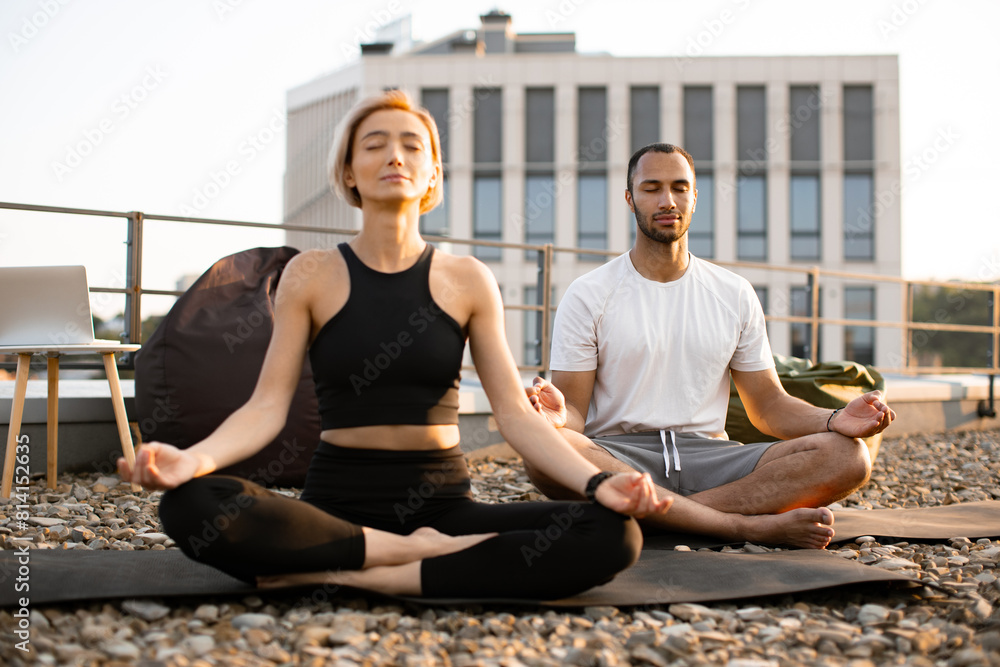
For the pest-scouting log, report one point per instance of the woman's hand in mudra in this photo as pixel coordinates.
(632, 494)
(548, 401)
(159, 466)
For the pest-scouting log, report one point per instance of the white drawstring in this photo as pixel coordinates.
(666, 453)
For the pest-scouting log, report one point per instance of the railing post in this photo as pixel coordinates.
(996, 331)
(814, 315)
(545, 300)
(133, 278)
(907, 320)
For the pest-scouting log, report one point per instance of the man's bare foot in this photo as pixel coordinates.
(808, 528)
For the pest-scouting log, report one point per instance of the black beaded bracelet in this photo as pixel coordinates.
(591, 491)
(830, 418)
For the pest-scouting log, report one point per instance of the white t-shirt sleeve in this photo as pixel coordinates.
(574, 334)
(753, 352)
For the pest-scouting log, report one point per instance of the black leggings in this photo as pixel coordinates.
(545, 550)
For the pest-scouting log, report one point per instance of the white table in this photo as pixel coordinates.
(53, 352)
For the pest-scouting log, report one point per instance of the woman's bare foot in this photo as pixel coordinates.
(390, 579)
(808, 528)
(382, 548)
(427, 542)
(392, 562)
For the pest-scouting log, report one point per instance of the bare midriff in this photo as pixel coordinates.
(398, 437)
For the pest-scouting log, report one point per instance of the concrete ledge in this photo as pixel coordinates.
(79, 401)
(928, 388)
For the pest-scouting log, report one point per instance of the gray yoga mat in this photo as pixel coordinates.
(660, 577)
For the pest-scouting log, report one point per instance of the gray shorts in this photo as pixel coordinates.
(705, 463)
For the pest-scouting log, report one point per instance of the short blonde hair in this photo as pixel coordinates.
(341, 153)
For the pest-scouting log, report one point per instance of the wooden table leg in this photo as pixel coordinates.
(119, 405)
(52, 420)
(16, 413)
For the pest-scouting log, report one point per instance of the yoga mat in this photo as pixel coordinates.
(660, 577)
(972, 520)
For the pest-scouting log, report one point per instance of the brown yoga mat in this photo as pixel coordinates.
(660, 577)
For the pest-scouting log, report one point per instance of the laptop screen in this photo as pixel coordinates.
(45, 305)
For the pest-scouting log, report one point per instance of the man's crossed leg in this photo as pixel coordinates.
(781, 501)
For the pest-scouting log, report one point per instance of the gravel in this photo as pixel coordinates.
(952, 621)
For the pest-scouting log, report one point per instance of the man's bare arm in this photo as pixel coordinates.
(774, 412)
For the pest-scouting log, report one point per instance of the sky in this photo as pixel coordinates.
(125, 105)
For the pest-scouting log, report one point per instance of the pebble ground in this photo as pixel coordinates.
(951, 621)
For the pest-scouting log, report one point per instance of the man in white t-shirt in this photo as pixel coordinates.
(643, 349)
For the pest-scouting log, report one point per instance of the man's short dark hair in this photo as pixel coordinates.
(657, 148)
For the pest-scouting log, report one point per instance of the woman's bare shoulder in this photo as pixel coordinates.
(466, 268)
(321, 263)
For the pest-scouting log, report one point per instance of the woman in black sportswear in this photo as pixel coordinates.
(387, 503)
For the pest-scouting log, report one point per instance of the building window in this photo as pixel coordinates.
(436, 221)
(859, 342)
(804, 107)
(487, 217)
(859, 173)
(859, 124)
(644, 116)
(539, 182)
(592, 179)
(539, 125)
(699, 141)
(435, 100)
(592, 214)
(802, 331)
(532, 326)
(751, 184)
(487, 186)
(699, 132)
(539, 211)
(761, 293)
(487, 137)
(701, 234)
(804, 212)
(592, 121)
(751, 218)
(859, 217)
(751, 125)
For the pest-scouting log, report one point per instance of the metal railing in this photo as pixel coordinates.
(134, 291)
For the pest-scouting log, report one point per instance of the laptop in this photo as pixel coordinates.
(46, 305)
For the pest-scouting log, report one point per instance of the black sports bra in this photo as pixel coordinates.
(391, 355)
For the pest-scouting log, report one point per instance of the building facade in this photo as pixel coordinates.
(797, 162)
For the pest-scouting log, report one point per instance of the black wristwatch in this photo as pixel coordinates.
(591, 491)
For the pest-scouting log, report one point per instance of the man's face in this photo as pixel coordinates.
(663, 196)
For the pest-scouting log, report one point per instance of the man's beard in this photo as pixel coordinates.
(672, 235)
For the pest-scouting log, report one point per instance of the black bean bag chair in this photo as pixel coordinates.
(203, 360)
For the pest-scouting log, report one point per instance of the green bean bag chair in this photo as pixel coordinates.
(831, 384)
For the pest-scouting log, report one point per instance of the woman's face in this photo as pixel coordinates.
(391, 159)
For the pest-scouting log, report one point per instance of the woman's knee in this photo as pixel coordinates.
(200, 510)
(617, 538)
